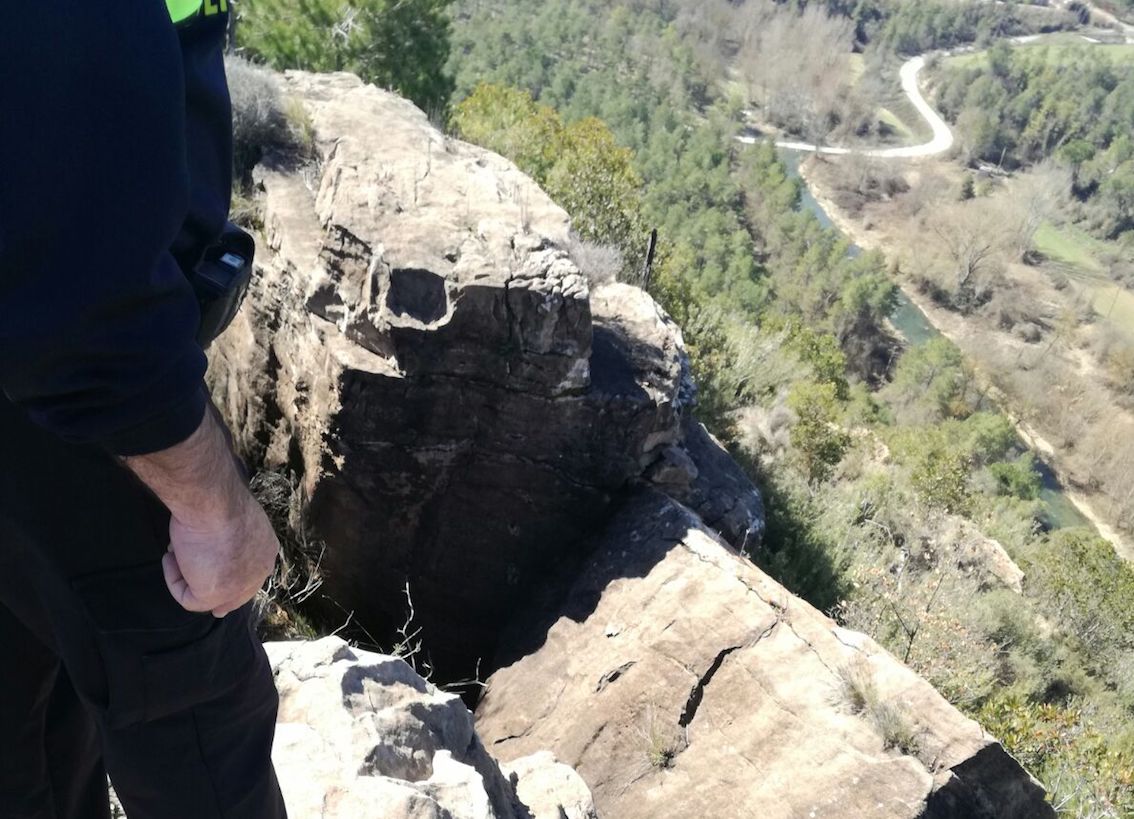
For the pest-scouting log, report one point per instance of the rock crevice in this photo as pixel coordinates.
(689, 712)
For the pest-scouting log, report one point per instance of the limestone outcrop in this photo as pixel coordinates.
(362, 736)
(679, 680)
(470, 416)
(463, 409)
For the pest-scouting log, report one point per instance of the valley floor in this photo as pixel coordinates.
(882, 230)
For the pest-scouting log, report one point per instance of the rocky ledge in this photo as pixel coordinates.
(463, 410)
(472, 416)
(681, 681)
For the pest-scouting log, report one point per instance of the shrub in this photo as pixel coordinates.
(297, 576)
(817, 439)
(939, 468)
(859, 692)
(599, 263)
(968, 188)
(263, 120)
(1084, 776)
(856, 686)
(258, 120)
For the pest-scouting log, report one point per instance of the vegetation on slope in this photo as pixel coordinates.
(397, 45)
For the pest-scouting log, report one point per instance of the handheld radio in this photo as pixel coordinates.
(221, 280)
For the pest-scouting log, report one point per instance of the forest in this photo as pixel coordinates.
(877, 462)
(1023, 106)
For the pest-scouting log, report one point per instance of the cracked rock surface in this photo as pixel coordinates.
(362, 736)
(679, 680)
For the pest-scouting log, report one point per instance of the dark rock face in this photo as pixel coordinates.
(463, 410)
(716, 488)
(987, 785)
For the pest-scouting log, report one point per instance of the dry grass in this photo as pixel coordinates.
(278, 610)
(859, 692)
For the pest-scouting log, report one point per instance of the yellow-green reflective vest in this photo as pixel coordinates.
(181, 10)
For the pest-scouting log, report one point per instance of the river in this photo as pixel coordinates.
(916, 329)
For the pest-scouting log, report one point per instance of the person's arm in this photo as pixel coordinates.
(221, 543)
(97, 321)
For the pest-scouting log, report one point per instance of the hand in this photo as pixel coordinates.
(221, 544)
(219, 568)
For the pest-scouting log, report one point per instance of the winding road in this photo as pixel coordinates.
(942, 137)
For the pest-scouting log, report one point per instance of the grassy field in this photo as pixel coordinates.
(1058, 49)
(1115, 305)
(1079, 255)
(902, 130)
(1071, 246)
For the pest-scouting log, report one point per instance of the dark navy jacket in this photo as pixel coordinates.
(115, 173)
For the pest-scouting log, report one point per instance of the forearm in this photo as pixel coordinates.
(199, 480)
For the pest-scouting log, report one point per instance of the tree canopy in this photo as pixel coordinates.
(402, 45)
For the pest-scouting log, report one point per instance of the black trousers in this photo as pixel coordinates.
(100, 669)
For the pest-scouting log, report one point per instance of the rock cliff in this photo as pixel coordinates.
(471, 416)
(423, 351)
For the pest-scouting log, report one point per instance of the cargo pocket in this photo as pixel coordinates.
(158, 658)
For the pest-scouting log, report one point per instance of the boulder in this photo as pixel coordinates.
(549, 789)
(362, 736)
(973, 553)
(680, 680)
(418, 346)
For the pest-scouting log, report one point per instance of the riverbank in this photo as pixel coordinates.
(955, 328)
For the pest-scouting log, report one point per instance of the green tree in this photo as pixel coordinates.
(509, 122)
(1018, 478)
(402, 45)
(930, 382)
(1076, 153)
(594, 180)
(940, 475)
(581, 165)
(822, 352)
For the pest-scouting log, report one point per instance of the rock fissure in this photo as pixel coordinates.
(509, 314)
(697, 694)
(613, 675)
(811, 648)
(772, 604)
(512, 737)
